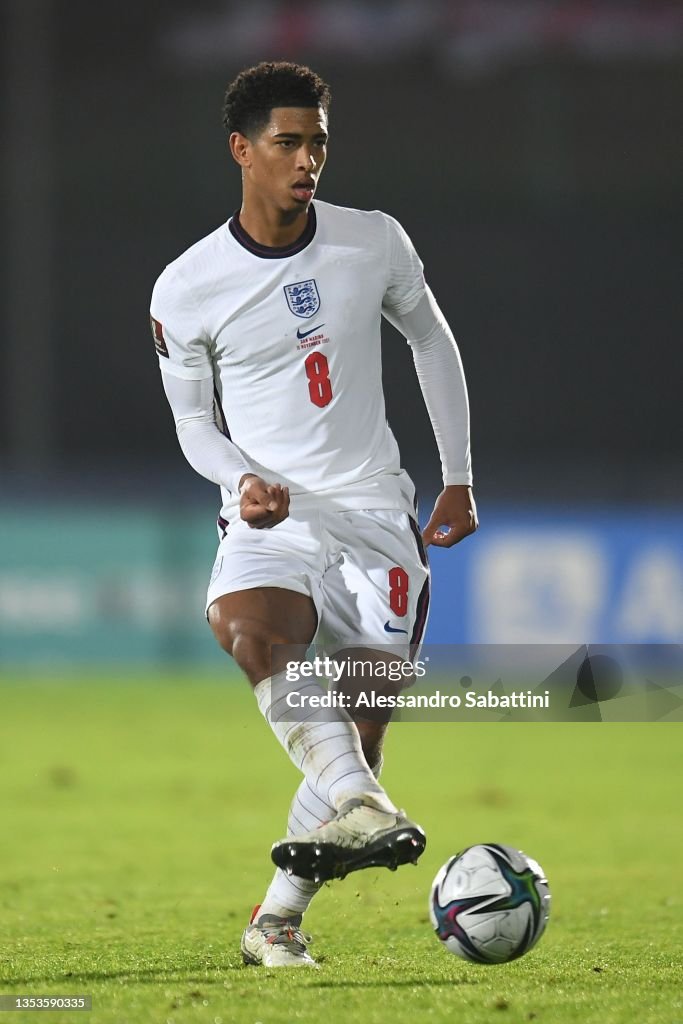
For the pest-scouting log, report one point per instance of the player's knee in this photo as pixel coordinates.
(249, 643)
(253, 652)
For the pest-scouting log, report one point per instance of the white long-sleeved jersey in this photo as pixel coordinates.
(272, 362)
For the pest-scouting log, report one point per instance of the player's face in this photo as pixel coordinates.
(284, 162)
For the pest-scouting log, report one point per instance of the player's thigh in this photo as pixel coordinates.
(265, 589)
(263, 628)
(377, 594)
(279, 615)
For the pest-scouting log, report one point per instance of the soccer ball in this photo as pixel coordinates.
(490, 904)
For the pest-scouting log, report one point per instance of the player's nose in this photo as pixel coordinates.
(306, 159)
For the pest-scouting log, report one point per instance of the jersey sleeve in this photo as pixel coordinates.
(179, 336)
(442, 381)
(406, 283)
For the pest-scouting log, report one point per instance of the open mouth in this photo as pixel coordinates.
(303, 190)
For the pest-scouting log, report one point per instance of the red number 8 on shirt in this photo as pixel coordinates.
(398, 591)
(318, 373)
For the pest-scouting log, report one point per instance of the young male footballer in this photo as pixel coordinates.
(268, 335)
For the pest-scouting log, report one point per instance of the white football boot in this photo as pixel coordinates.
(275, 942)
(362, 835)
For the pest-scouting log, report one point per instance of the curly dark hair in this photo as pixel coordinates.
(253, 94)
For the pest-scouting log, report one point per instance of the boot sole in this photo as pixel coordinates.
(321, 862)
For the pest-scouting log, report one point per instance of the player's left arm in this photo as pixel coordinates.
(442, 381)
(411, 307)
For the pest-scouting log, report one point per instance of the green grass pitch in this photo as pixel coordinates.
(136, 819)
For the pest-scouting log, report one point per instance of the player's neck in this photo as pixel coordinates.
(270, 226)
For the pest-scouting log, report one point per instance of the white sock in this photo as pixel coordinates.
(323, 743)
(289, 895)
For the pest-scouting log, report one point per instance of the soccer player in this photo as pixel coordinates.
(268, 336)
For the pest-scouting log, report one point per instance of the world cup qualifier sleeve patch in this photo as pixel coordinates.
(158, 336)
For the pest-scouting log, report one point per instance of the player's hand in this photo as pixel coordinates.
(262, 505)
(455, 509)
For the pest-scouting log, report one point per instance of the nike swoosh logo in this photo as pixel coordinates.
(390, 629)
(304, 334)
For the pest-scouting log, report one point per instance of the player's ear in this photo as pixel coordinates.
(240, 148)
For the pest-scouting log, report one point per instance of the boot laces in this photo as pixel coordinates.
(286, 934)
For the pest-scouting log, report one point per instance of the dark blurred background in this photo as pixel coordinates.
(531, 149)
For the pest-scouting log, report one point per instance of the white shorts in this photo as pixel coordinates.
(366, 573)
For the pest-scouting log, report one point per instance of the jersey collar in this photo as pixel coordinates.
(273, 252)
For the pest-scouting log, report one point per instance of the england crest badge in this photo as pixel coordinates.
(303, 298)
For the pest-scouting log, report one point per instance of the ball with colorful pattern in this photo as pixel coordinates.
(490, 903)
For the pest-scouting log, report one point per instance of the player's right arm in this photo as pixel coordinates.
(215, 457)
(187, 374)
